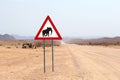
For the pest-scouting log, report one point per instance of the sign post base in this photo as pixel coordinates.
(44, 56)
(52, 56)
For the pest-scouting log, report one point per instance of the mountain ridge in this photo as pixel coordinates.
(6, 37)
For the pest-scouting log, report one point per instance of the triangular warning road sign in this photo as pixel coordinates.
(48, 31)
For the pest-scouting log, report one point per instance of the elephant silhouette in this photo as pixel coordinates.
(45, 32)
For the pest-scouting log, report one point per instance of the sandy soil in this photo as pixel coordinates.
(72, 62)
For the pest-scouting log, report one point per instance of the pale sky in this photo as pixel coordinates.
(73, 18)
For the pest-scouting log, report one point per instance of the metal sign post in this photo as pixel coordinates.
(44, 56)
(44, 34)
(52, 56)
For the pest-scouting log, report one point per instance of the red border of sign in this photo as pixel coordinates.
(48, 38)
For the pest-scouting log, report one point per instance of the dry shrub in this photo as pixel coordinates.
(38, 44)
(0, 44)
(47, 43)
(8, 47)
(18, 43)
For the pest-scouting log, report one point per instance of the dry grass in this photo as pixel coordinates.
(101, 41)
(72, 62)
(18, 43)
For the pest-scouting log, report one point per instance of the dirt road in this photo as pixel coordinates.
(96, 63)
(72, 62)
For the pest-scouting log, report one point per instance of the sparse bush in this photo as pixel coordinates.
(18, 43)
(90, 43)
(0, 44)
(8, 47)
(38, 44)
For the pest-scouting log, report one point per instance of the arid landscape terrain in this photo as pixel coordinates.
(72, 62)
(85, 33)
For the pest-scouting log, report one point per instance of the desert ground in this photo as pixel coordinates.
(72, 62)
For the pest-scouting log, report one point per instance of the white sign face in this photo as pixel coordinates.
(48, 31)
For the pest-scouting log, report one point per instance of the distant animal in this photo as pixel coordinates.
(46, 31)
(28, 45)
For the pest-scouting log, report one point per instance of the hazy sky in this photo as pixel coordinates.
(77, 18)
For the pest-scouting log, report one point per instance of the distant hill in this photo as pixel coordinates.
(6, 37)
(99, 41)
(18, 37)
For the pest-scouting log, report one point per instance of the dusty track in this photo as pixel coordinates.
(97, 63)
(72, 62)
